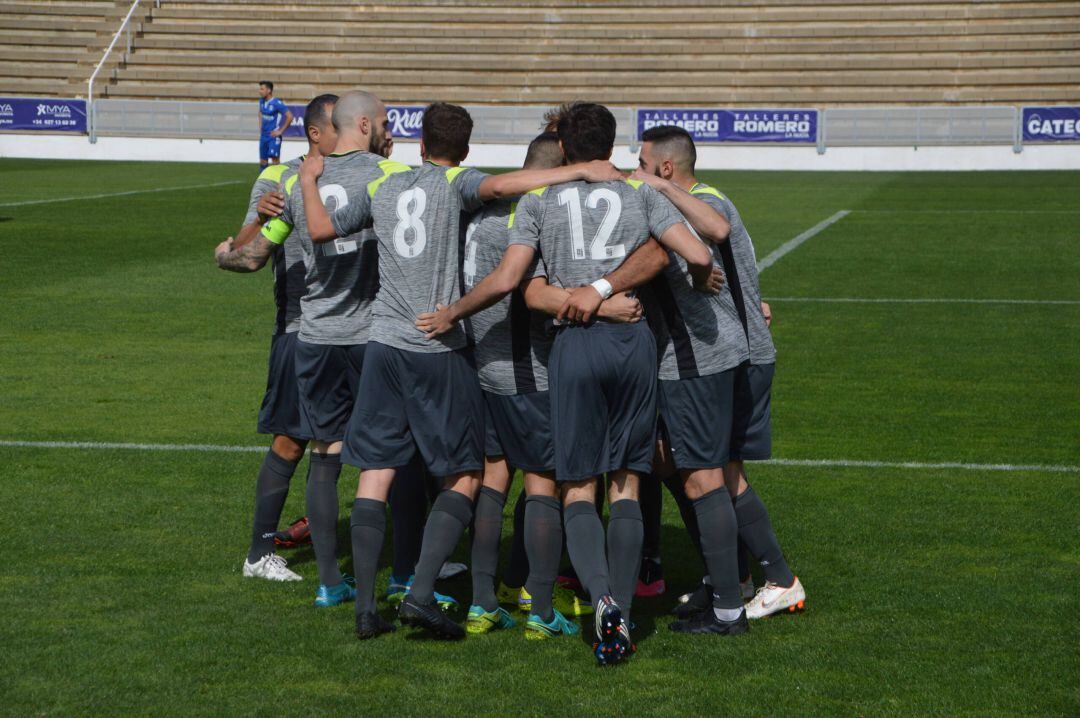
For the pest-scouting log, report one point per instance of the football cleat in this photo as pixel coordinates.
(650, 579)
(707, 622)
(613, 643)
(328, 596)
(510, 596)
(698, 600)
(400, 585)
(772, 598)
(371, 624)
(430, 617)
(481, 621)
(746, 588)
(567, 578)
(569, 603)
(537, 629)
(295, 535)
(272, 568)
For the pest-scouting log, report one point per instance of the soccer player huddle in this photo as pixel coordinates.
(441, 329)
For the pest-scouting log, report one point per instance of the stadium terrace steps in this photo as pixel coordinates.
(674, 52)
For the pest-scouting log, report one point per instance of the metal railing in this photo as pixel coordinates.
(919, 127)
(125, 27)
(839, 127)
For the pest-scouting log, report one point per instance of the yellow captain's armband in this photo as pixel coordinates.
(388, 167)
(276, 231)
(273, 173)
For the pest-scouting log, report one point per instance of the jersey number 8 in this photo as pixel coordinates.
(410, 207)
(598, 248)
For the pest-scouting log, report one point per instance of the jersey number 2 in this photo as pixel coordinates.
(598, 248)
(410, 207)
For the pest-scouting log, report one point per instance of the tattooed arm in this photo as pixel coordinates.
(248, 257)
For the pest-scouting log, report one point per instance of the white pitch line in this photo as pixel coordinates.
(775, 256)
(211, 448)
(954, 210)
(859, 300)
(118, 194)
(840, 463)
(844, 463)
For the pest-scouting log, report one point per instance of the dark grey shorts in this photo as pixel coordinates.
(602, 381)
(328, 376)
(696, 416)
(280, 412)
(751, 429)
(519, 428)
(411, 401)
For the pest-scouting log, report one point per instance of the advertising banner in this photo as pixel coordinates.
(715, 125)
(405, 121)
(1051, 124)
(42, 113)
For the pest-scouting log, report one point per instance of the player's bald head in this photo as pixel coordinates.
(674, 144)
(544, 152)
(353, 106)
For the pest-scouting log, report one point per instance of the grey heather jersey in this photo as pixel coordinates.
(288, 259)
(512, 342)
(417, 218)
(740, 267)
(697, 334)
(341, 275)
(584, 231)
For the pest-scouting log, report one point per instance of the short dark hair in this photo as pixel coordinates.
(269, 85)
(675, 140)
(544, 152)
(587, 132)
(317, 112)
(446, 131)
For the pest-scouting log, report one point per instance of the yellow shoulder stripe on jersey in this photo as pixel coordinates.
(636, 184)
(273, 173)
(276, 231)
(290, 183)
(388, 167)
(700, 188)
(510, 219)
(452, 173)
(539, 191)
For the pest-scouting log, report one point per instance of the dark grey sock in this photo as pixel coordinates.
(585, 544)
(652, 505)
(543, 542)
(487, 530)
(367, 529)
(719, 536)
(449, 518)
(271, 489)
(517, 566)
(744, 560)
(625, 533)
(756, 530)
(686, 510)
(322, 511)
(408, 510)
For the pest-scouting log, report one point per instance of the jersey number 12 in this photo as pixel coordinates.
(598, 248)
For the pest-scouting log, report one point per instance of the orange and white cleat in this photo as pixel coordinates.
(772, 598)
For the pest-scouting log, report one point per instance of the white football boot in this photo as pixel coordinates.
(271, 567)
(771, 599)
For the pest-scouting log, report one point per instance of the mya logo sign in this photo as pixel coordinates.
(1051, 124)
(35, 113)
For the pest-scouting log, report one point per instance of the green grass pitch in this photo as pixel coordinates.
(932, 591)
